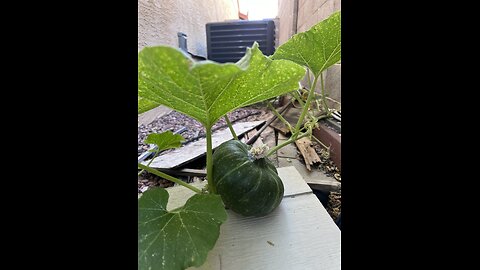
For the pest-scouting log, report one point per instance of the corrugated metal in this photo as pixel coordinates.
(227, 41)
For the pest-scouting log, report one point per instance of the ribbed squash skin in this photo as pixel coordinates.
(247, 186)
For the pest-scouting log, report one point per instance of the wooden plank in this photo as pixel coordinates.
(316, 179)
(194, 150)
(258, 142)
(280, 111)
(300, 229)
(248, 135)
(186, 172)
(298, 235)
(280, 127)
(283, 137)
(293, 182)
(288, 151)
(291, 115)
(308, 152)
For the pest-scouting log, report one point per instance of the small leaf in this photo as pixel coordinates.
(177, 239)
(318, 48)
(165, 140)
(208, 90)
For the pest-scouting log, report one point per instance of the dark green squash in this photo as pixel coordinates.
(248, 186)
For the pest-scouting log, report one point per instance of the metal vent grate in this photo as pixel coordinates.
(227, 41)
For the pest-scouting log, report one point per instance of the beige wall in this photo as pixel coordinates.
(160, 20)
(285, 20)
(310, 12)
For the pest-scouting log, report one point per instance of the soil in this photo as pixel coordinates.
(334, 205)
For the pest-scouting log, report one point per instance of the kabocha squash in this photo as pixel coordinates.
(247, 184)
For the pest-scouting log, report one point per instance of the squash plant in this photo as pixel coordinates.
(317, 49)
(207, 91)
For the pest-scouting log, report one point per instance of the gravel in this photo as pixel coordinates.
(173, 121)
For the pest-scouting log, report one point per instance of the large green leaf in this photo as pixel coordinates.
(207, 90)
(318, 48)
(177, 239)
(165, 140)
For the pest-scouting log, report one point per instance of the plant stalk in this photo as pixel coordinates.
(150, 162)
(307, 105)
(208, 135)
(285, 143)
(280, 116)
(168, 177)
(229, 124)
(297, 97)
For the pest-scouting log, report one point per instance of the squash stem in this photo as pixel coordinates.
(280, 117)
(311, 93)
(287, 142)
(150, 162)
(168, 177)
(298, 98)
(231, 128)
(208, 134)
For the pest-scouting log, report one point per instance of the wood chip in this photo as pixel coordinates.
(308, 152)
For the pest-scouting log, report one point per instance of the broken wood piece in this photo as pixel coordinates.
(248, 135)
(257, 142)
(280, 111)
(316, 179)
(280, 127)
(197, 149)
(291, 116)
(186, 172)
(309, 154)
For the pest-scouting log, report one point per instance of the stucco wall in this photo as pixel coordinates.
(160, 20)
(311, 12)
(285, 20)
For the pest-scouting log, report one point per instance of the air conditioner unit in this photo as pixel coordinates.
(227, 41)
